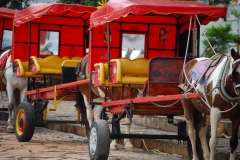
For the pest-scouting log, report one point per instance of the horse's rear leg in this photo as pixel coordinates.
(188, 113)
(127, 143)
(203, 128)
(214, 119)
(234, 139)
(10, 127)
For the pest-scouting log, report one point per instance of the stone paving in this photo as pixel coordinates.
(54, 145)
(67, 112)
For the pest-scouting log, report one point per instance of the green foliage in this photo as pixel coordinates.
(236, 38)
(15, 4)
(217, 2)
(219, 37)
(82, 2)
(3, 3)
(236, 13)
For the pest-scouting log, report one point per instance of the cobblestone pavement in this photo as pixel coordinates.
(54, 145)
(70, 146)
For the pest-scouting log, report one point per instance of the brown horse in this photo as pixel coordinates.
(88, 113)
(220, 100)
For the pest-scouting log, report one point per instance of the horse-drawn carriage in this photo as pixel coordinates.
(112, 75)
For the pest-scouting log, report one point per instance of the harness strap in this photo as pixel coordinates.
(221, 83)
(78, 68)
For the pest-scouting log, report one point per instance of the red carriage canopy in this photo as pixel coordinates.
(7, 13)
(58, 10)
(6, 23)
(115, 9)
(62, 27)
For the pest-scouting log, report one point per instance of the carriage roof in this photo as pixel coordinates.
(7, 13)
(59, 10)
(69, 21)
(115, 9)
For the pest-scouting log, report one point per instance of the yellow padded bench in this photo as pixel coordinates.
(101, 76)
(21, 69)
(126, 71)
(49, 65)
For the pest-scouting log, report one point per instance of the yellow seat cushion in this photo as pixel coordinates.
(130, 71)
(49, 65)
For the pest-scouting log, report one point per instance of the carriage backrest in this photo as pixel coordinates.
(164, 74)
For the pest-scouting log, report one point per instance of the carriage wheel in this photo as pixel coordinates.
(25, 122)
(99, 140)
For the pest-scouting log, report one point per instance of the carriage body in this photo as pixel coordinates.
(48, 42)
(49, 39)
(137, 27)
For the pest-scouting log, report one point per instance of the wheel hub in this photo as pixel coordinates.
(22, 121)
(93, 141)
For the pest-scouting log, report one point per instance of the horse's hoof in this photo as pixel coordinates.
(113, 147)
(10, 129)
(129, 149)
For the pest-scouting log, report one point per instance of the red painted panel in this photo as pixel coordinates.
(135, 27)
(71, 51)
(100, 55)
(98, 35)
(160, 53)
(8, 24)
(162, 36)
(21, 33)
(49, 27)
(1, 28)
(34, 33)
(71, 35)
(59, 20)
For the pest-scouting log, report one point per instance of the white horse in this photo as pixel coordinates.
(16, 88)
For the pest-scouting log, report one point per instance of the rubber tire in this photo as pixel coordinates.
(25, 134)
(100, 135)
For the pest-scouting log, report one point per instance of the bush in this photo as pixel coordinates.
(219, 37)
(236, 38)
